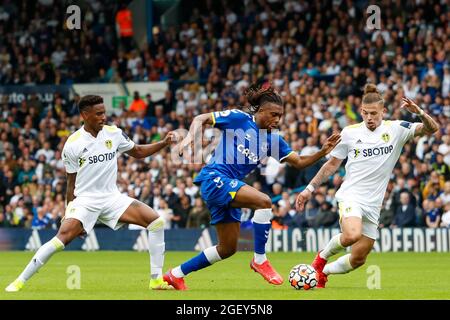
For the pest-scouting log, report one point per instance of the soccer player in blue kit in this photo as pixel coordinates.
(247, 138)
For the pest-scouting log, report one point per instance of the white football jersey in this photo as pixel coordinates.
(95, 159)
(371, 157)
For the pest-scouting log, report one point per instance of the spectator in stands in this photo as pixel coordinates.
(166, 213)
(277, 189)
(387, 212)
(170, 196)
(42, 219)
(434, 185)
(26, 174)
(138, 105)
(46, 151)
(445, 220)
(445, 196)
(124, 27)
(280, 215)
(199, 215)
(444, 147)
(405, 216)
(433, 215)
(441, 167)
(155, 200)
(191, 189)
(6, 217)
(181, 212)
(326, 217)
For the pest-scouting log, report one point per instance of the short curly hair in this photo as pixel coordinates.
(89, 101)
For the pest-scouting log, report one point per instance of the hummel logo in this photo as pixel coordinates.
(247, 136)
(359, 141)
(85, 150)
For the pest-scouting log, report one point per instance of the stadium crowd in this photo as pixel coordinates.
(318, 56)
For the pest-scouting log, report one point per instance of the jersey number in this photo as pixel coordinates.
(219, 183)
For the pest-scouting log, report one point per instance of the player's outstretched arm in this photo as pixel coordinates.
(428, 125)
(71, 177)
(195, 130)
(301, 162)
(140, 151)
(326, 171)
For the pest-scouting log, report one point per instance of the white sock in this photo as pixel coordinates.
(341, 265)
(211, 254)
(177, 272)
(156, 247)
(41, 257)
(262, 216)
(260, 258)
(333, 247)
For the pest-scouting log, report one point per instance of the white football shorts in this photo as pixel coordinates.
(106, 209)
(370, 216)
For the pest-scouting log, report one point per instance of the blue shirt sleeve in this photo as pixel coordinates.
(229, 118)
(279, 148)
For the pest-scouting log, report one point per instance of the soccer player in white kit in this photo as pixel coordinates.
(372, 148)
(90, 157)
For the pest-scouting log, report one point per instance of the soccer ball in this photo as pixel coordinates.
(303, 276)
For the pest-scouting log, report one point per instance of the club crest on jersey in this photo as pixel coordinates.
(233, 183)
(81, 161)
(385, 137)
(108, 144)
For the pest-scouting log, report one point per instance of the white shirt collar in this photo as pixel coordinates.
(87, 134)
(377, 129)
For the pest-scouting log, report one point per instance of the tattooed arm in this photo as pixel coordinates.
(326, 171)
(428, 125)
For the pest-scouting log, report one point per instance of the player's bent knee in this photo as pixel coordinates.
(350, 238)
(358, 261)
(226, 252)
(264, 202)
(156, 225)
(66, 236)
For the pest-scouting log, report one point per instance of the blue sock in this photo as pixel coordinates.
(196, 263)
(260, 236)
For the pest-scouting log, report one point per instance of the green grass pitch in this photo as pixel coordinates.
(124, 276)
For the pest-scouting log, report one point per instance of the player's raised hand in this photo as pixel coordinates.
(410, 105)
(331, 142)
(170, 138)
(302, 199)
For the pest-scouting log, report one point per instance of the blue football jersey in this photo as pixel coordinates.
(242, 145)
